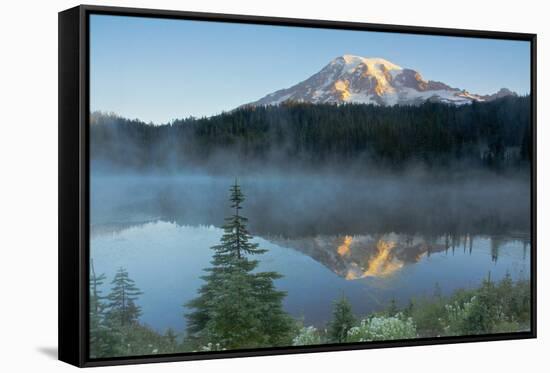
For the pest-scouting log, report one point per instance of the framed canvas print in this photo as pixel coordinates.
(239, 186)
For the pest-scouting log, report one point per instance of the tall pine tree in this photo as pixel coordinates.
(122, 310)
(237, 307)
(342, 320)
(100, 339)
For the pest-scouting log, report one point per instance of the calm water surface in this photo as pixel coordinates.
(166, 260)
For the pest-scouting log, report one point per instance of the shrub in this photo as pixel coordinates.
(307, 336)
(212, 347)
(381, 328)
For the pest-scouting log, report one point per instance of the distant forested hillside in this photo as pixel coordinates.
(493, 135)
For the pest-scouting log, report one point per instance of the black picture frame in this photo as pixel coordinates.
(74, 185)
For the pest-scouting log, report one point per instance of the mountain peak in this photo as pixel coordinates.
(372, 62)
(371, 80)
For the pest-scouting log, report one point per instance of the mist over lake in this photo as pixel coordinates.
(330, 202)
(376, 238)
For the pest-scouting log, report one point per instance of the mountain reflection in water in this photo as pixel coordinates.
(382, 255)
(360, 256)
(167, 260)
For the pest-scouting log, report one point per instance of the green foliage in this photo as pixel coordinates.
(169, 342)
(211, 347)
(494, 134)
(383, 328)
(238, 307)
(342, 320)
(494, 307)
(136, 339)
(514, 300)
(122, 309)
(278, 327)
(427, 315)
(408, 311)
(100, 339)
(233, 311)
(307, 336)
(115, 329)
(478, 315)
(466, 318)
(392, 308)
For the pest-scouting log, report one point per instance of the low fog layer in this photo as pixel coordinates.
(298, 204)
(322, 169)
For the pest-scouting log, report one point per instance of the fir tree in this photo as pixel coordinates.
(342, 320)
(409, 309)
(170, 342)
(235, 242)
(392, 308)
(96, 299)
(122, 310)
(277, 325)
(99, 332)
(236, 307)
(234, 314)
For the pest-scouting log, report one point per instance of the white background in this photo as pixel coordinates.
(28, 182)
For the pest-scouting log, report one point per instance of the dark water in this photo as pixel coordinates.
(162, 233)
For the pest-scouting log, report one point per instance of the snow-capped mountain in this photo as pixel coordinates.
(354, 79)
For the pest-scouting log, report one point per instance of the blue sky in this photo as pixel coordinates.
(160, 69)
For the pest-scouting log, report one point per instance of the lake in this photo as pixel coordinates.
(161, 231)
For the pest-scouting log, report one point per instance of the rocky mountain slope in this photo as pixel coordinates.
(354, 79)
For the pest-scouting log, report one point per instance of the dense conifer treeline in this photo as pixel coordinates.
(494, 135)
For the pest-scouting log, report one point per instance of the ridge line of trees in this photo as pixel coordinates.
(494, 135)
